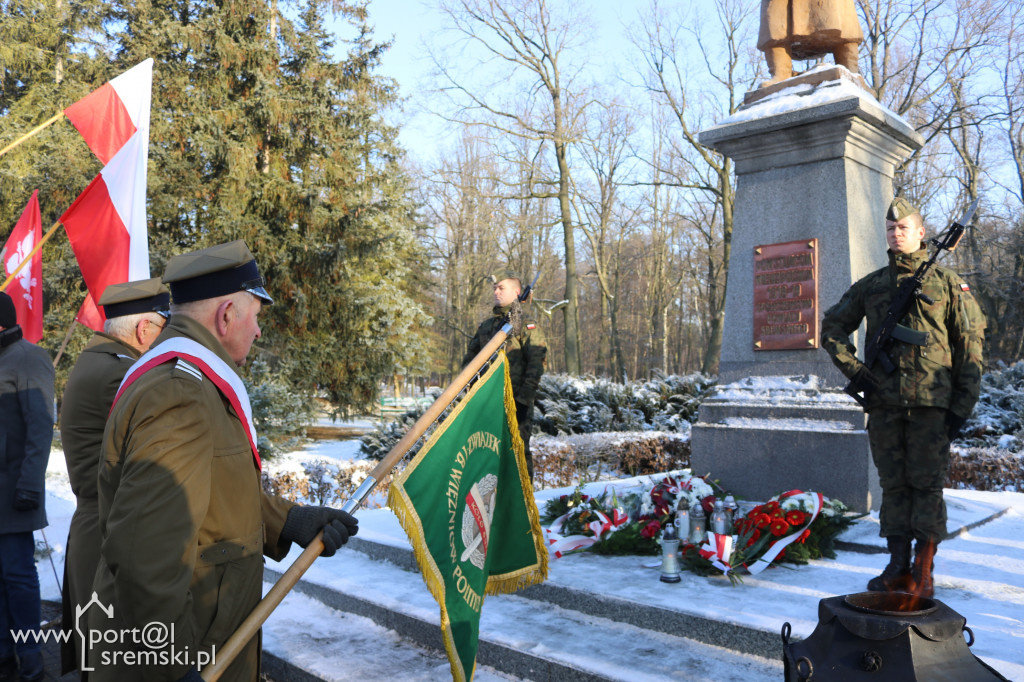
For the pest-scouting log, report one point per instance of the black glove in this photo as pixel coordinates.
(303, 523)
(192, 676)
(954, 423)
(25, 500)
(864, 381)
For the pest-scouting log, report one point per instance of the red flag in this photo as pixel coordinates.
(109, 116)
(27, 288)
(90, 314)
(106, 224)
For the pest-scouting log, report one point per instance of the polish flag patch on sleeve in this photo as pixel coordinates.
(964, 287)
(531, 325)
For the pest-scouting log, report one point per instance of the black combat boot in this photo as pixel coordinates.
(896, 576)
(924, 562)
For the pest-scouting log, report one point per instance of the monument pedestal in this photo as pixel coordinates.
(813, 163)
(761, 436)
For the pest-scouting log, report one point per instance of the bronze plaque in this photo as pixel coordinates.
(786, 296)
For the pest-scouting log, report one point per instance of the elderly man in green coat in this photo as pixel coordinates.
(184, 520)
(914, 412)
(525, 350)
(136, 313)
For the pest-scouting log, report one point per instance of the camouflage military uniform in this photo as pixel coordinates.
(526, 352)
(908, 420)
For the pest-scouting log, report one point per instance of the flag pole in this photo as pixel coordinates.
(35, 131)
(67, 338)
(25, 261)
(245, 632)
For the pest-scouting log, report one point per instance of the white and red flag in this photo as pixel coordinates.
(108, 116)
(106, 224)
(26, 290)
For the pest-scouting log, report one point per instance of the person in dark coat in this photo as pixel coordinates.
(26, 432)
(136, 313)
(525, 348)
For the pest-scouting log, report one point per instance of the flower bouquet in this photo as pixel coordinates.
(793, 527)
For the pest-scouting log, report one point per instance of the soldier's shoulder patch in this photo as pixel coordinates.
(531, 325)
(189, 369)
(964, 286)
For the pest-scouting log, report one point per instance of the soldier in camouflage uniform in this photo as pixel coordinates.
(917, 410)
(526, 352)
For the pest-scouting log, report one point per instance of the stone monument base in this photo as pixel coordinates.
(761, 436)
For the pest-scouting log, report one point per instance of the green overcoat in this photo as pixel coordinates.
(88, 396)
(184, 520)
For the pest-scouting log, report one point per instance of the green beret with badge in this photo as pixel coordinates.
(502, 275)
(899, 209)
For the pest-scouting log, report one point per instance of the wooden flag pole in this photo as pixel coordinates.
(247, 630)
(67, 338)
(28, 259)
(35, 131)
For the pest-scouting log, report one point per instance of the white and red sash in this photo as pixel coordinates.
(216, 370)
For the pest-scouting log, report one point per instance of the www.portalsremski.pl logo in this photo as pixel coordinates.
(150, 645)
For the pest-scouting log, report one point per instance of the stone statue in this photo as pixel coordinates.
(807, 29)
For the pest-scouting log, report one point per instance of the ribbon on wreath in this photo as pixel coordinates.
(560, 545)
(775, 549)
(718, 549)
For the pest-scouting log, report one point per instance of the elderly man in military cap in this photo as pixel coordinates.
(525, 349)
(915, 411)
(184, 520)
(26, 431)
(136, 313)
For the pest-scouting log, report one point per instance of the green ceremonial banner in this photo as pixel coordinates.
(466, 503)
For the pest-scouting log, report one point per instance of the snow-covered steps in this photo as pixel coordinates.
(524, 638)
(307, 641)
(611, 618)
(601, 604)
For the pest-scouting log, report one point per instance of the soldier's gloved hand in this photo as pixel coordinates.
(303, 523)
(26, 500)
(954, 423)
(864, 381)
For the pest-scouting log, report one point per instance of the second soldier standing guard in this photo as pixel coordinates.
(915, 411)
(525, 348)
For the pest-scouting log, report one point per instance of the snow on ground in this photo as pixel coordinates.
(980, 574)
(340, 646)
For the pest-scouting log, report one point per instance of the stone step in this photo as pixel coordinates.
(544, 633)
(736, 637)
(610, 618)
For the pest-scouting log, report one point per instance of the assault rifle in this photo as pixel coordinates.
(525, 294)
(877, 349)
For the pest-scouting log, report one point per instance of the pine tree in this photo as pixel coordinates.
(261, 133)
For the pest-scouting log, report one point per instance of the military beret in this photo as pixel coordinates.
(8, 315)
(899, 209)
(501, 275)
(215, 271)
(140, 296)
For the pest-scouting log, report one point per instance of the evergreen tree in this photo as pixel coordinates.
(258, 131)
